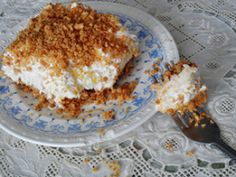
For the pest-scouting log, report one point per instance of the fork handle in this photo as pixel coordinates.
(226, 148)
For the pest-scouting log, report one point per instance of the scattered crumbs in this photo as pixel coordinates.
(191, 152)
(146, 71)
(59, 111)
(155, 69)
(109, 115)
(169, 146)
(115, 167)
(191, 120)
(127, 110)
(155, 86)
(1, 73)
(95, 169)
(158, 101)
(86, 160)
(197, 119)
(181, 98)
(99, 150)
(170, 111)
(158, 61)
(203, 114)
(101, 131)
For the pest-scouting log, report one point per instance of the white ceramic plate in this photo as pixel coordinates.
(45, 127)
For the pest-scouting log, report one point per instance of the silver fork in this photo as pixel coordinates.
(204, 130)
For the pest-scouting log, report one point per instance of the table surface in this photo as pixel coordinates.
(205, 33)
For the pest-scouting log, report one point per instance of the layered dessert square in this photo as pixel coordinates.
(181, 89)
(66, 51)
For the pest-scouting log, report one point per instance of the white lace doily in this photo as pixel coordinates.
(205, 33)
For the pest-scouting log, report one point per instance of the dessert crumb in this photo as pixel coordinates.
(101, 131)
(158, 101)
(115, 167)
(191, 152)
(95, 169)
(109, 115)
(1, 73)
(86, 160)
(155, 69)
(170, 146)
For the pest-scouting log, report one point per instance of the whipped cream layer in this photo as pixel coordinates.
(39, 78)
(179, 90)
(71, 82)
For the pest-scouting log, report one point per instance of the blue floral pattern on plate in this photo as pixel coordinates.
(43, 125)
(150, 51)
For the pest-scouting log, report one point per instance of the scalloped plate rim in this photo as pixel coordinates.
(78, 141)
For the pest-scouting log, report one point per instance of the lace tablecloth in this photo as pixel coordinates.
(205, 33)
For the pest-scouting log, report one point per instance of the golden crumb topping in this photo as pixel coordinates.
(61, 36)
(177, 68)
(108, 115)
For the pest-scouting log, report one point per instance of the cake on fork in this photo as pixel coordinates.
(180, 89)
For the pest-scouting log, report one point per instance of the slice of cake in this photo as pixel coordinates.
(65, 51)
(181, 89)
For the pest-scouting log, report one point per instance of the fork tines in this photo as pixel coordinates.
(197, 117)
